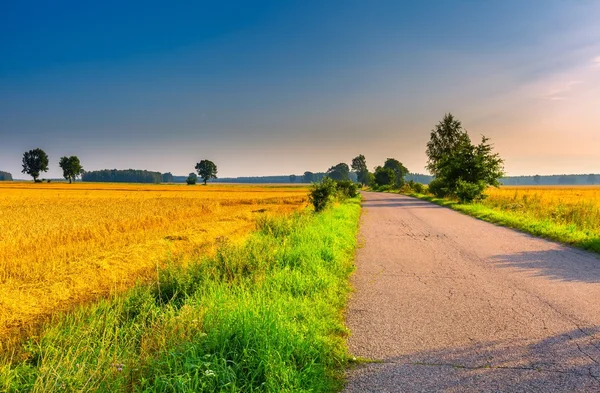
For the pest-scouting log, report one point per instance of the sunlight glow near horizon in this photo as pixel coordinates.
(283, 88)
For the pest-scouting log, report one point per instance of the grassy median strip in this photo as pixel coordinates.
(262, 317)
(546, 227)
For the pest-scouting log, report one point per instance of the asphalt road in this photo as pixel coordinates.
(446, 302)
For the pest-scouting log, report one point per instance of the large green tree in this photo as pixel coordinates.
(399, 170)
(339, 172)
(207, 170)
(34, 162)
(359, 165)
(466, 170)
(447, 135)
(71, 167)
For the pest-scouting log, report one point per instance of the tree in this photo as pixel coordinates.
(447, 135)
(359, 165)
(537, 179)
(292, 178)
(467, 170)
(207, 170)
(191, 179)
(71, 167)
(167, 177)
(399, 170)
(34, 162)
(384, 176)
(339, 172)
(308, 177)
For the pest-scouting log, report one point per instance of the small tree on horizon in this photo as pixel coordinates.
(359, 165)
(207, 170)
(293, 178)
(71, 167)
(308, 177)
(384, 176)
(191, 179)
(339, 172)
(399, 170)
(34, 162)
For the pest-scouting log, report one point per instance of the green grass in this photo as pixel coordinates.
(547, 228)
(262, 317)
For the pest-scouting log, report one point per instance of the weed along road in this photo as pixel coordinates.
(446, 302)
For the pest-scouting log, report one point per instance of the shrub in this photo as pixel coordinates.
(437, 188)
(321, 194)
(467, 192)
(347, 188)
(191, 179)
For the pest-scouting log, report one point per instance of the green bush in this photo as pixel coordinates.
(321, 194)
(467, 192)
(347, 188)
(191, 179)
(438, 188)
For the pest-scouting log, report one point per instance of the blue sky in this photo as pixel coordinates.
(282, 87)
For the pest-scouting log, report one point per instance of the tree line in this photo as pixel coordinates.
(5, 176)
(36, 161)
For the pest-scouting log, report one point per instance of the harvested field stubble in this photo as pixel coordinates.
(62, 245)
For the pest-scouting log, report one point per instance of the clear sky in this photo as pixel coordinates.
(278, 87)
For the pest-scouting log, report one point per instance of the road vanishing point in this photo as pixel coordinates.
(444, 302)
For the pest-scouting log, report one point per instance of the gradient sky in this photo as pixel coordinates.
(277, 87)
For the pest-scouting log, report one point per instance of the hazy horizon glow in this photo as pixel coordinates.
(286, 87)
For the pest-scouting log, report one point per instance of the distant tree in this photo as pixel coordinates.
(292, 178)
(191, 179)
(167, 177)
(537, 179)
(308, 177)
(399, 170)
(207, 170)
(592, 179)
(339, 172)
(384, 176)
(359, 165)
(34, 162)
(447, 135)
(71, 167)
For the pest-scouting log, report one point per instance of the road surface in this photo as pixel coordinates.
(446, 302)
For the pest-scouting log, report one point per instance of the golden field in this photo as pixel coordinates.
(62, 245)
(578, 206)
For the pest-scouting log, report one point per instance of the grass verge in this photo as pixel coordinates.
(547, 228)
(262, 317)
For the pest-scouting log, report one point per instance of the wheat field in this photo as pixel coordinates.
(62, 245)
(577, 206)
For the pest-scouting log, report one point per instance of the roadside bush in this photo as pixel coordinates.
(321, 194)
(437, 188)
(418, 188)
(467, 192)
(347, 188)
